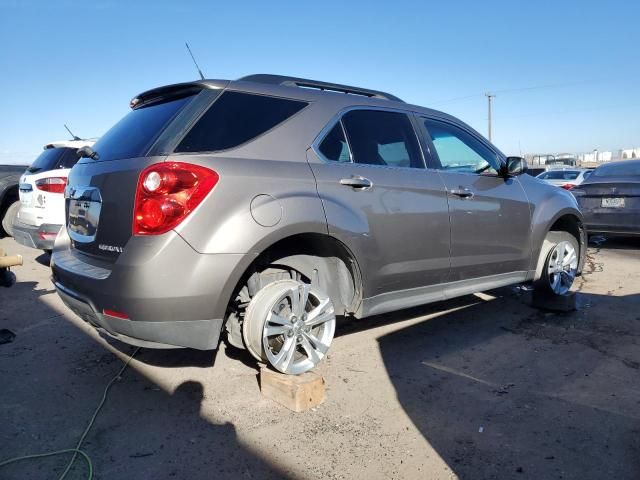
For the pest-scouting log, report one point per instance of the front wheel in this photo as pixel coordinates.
(290, 325)
(561, 264)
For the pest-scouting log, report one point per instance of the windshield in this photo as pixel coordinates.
(631, 169)
(133, 135)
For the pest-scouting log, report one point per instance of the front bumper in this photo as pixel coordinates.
(42, 237)
(164, 293)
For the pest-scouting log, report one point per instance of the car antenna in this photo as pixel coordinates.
(71, 133)
(194, 61)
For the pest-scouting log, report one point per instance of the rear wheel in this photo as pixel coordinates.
(561, 264)
(290, 325)
(9, 216)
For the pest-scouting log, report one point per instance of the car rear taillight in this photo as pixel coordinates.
(52, 184)
(167, 193)
(568, 186)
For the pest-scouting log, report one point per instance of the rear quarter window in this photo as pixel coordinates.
(236, 118)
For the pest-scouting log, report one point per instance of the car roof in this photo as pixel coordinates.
(337, 96)
(294, 87)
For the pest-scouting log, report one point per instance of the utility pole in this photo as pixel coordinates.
(489, 97)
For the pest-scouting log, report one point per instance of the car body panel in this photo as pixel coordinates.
(490, 232)
(398, 229)
(611, 204)
(404, 233)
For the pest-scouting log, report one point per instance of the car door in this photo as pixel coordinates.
(490, 213)
(383, 204)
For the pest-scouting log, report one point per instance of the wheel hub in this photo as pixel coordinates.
(562, 267)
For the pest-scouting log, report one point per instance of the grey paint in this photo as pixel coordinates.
(411, 241)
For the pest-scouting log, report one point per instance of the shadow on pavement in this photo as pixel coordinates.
(51, 380)
(535, 395)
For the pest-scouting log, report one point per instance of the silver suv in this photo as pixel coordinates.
(267, 206)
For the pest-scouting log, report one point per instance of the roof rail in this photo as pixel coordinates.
(315, 84)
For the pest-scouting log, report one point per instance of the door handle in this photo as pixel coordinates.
(462, 192)
(357, 183)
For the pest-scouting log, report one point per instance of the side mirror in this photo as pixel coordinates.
(516, 166)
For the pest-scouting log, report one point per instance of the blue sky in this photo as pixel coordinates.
(80, 62)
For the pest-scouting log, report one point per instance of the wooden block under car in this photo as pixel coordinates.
(296, 392)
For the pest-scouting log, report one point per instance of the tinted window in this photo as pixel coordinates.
(334, 146)
(47, 160)
(133, 135)
(236, 118)
(618, 170)
(382, 138)
(458, 150)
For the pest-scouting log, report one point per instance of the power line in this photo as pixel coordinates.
(511, 90)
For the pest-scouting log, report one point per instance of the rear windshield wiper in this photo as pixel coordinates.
(87, 152)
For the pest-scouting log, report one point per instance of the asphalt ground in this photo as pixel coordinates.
(479, 387)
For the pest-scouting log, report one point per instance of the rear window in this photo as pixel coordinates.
(53, 158)
(133, 135)
(236, 118)
(560, 175)
(631, 169)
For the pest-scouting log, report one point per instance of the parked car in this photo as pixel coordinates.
(9, 200)
(610, 198)
(565, 178)
(271, 205)
(41, 213)
(535, 171)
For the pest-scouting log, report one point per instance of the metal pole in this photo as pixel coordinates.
(489, 97)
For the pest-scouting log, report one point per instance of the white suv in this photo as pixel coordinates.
(42, 187)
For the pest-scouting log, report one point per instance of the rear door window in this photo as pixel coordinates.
(378, 137)
(236, 118)
(133, 135)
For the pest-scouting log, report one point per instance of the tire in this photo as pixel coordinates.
(9, 216)
(289, 325)
(561, 256)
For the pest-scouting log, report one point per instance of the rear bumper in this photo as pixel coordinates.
(42, 237)
(170, 295)
(618, 223)
(198, 334)
(620, 230)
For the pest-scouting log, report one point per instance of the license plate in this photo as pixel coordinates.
(613, 202)
(25, 198)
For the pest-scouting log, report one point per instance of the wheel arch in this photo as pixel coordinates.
(567, 220)
(320, 259)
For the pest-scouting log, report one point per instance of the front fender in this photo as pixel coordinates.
(549, 205)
